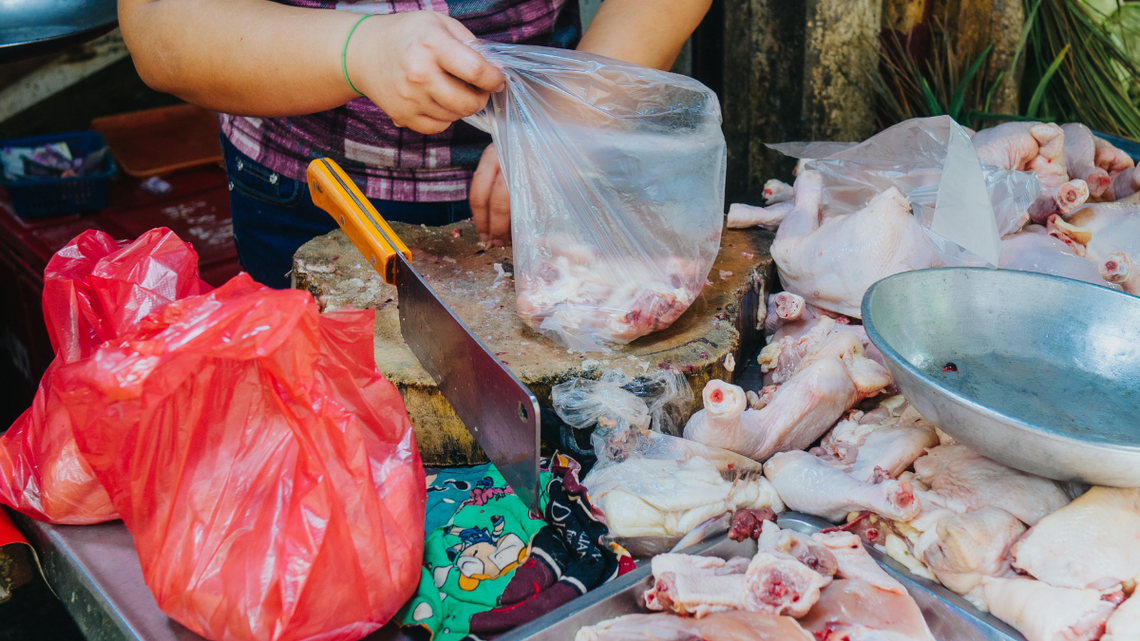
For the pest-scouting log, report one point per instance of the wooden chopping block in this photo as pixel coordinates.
(722, 322)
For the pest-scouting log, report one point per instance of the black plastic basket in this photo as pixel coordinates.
(37, 197)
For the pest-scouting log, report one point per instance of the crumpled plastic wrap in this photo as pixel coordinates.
(267, 472)
(964, 207)
(648, 483)
(616, 174)
(94, 291)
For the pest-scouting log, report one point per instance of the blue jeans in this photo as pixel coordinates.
(274, 215)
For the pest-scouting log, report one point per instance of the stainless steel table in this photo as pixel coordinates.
(95, 571)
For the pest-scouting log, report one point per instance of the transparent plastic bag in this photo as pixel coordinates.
(647, 483)
(931, 161)
(616, 175)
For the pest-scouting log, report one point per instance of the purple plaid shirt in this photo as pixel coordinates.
(388, 162)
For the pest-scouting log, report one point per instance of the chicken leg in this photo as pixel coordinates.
(808, 484)
(1080, 159)
(831, 380)
(965, 548)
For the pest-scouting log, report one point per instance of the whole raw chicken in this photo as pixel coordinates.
(832, 265)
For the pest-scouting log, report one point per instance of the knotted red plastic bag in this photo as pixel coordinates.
(267, 471)
(94, 291)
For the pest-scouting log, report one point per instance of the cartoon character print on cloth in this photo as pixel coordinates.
(469, 560)
(568, 557)
(495, 566)
(447, 490)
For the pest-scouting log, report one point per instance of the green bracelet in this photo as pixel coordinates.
(344, 53)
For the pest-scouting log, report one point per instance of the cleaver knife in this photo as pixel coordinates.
(500, 412)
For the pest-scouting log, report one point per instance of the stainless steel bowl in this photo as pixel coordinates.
(36, 27)
(1035, 371)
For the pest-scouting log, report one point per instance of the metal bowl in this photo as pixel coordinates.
(36, 27)
(1039, 372)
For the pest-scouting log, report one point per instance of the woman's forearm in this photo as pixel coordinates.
(246, 57)
(645, 32)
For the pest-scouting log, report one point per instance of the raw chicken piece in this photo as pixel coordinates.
(1060, 200)
(654, 497)
(1043, 612)
(736, 625)
(808, 484)
(831, 380)
(1027, 146)
(1118, 269)
(777, 191)
(1115, 227)
(855, 563)
(741, 216)
(569, 290)
(1034, 250)
(832, 265)
(854, 610)
(1080, 159)
(784, 308)
(1093, 542)
(1109, 158)
(965, 548)
(870, 451)
(1126, 183)
(1040, 148)
(813, 554)
(1124, 624)
(962, 480)
(748, 524)
(689, 584)
(778, 584)
(784, 355)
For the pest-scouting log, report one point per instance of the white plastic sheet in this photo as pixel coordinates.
(964, 207)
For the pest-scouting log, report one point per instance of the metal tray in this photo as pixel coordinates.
(949, 616)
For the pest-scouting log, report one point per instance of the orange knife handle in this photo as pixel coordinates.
(333, 191)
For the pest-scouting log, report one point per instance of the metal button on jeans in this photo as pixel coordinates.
(239, 164)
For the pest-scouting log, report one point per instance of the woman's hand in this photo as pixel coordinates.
(490, 202)
(416, 68)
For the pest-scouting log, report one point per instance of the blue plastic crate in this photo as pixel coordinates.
(37, 197)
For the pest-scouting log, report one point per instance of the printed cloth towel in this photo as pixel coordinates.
(494, 565)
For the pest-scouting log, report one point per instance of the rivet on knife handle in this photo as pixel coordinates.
(333, 191)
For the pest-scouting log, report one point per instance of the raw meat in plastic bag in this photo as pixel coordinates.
(616, 176)
(267, 471)
(650, 484)
(913, 156)
(94, 291)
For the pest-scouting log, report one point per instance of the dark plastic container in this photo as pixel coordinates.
(37, 197)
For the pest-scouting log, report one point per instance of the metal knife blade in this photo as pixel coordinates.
(498, 410)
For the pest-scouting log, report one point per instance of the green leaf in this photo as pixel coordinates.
(959, 96)
(932, 106)
(1039, 92)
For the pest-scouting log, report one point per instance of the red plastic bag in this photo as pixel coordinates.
(94, 291)
(267, 471)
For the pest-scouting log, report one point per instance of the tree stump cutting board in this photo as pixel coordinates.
(722, 323)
